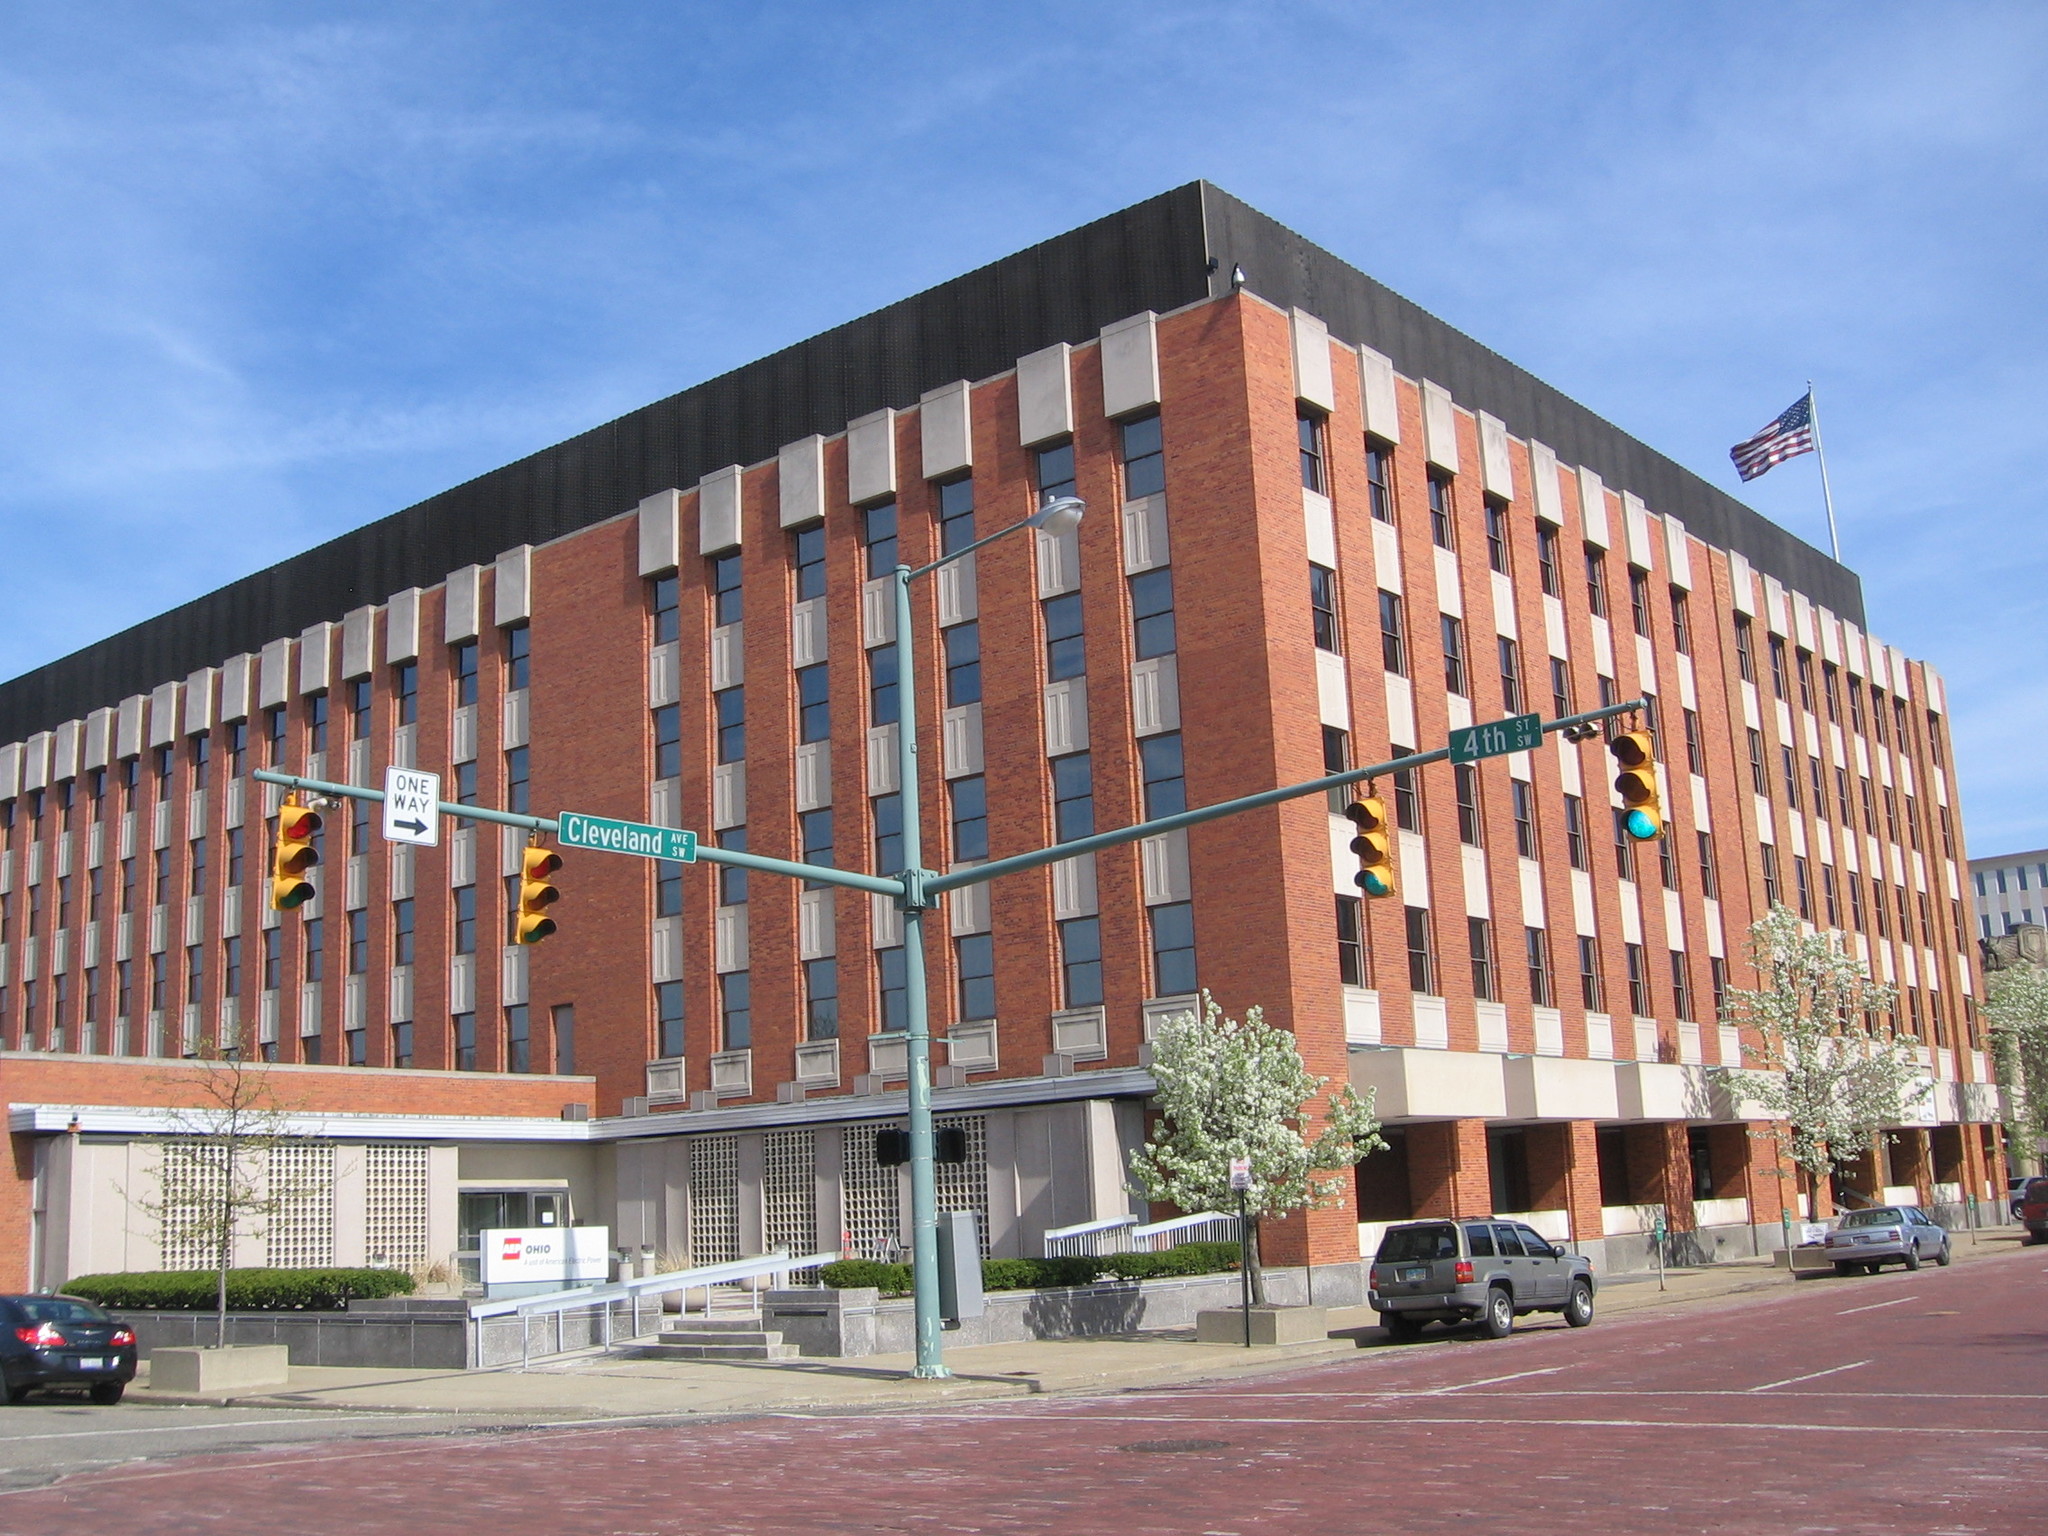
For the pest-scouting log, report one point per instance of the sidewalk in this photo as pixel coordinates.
(600, 1387)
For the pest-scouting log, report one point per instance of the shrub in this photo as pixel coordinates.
(1043, 1274)
(1187, 1259)
(853, 1274)
(249, 1290)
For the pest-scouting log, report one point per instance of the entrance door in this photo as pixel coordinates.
(484, 1210)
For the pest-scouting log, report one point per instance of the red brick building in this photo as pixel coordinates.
(1323, 528)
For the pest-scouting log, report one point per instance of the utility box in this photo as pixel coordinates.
(959, 1265)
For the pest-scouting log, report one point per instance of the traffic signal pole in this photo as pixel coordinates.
(916, 890)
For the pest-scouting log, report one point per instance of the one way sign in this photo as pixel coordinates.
(412, 807)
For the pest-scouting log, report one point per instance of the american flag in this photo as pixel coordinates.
(1786, 438)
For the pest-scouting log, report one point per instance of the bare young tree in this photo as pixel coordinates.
(1833, 1071)
(219, 1178)
(1229, 1090)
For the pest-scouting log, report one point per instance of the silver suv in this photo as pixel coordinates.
(1490, 1270)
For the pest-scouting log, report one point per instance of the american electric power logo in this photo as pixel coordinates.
(513, 1249)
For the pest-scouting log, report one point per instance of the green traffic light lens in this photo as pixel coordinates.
(1373, 883)
(1642, 826)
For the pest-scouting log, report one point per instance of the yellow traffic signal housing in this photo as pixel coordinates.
(1637, 784)
(1374, 846)
(536, 895)
(294, 855)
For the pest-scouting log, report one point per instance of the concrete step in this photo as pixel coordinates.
(759, 1346)
(726, 1322)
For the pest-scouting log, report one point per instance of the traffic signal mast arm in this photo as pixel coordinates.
(938, 885)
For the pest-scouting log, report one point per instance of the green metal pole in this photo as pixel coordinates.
(924, 1191)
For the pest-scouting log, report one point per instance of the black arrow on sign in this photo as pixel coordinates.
(414, 827)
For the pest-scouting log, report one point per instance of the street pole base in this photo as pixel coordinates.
(930, 1373)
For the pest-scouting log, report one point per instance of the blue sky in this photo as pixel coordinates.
(273, 271)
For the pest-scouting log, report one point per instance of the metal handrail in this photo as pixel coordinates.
(1084, 1238)
(1145, 1234)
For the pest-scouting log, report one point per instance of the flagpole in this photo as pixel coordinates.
(1826, 494)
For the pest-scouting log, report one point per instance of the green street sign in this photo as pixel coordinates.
(608, 836)
(1517, 733)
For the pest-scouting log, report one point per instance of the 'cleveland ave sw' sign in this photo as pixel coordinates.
(577, 830)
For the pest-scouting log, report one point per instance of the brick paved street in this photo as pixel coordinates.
(1902, 1403)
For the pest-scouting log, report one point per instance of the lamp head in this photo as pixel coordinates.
(1059, 515)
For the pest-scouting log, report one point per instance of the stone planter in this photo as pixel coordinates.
(1269, 1325)
(237, 1368)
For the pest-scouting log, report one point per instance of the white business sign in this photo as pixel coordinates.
(412, 807)
(557, 1255)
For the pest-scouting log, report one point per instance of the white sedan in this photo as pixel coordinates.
(1886, 1234)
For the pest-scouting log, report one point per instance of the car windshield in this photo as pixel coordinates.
(59, 1309)
(1883, 1216)
(1407, 1245)
(2037, 1189)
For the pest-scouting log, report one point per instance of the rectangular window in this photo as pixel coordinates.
(465, 920)
(1777, 653)
(358, 943)
(1421, 952)
(1524, 796)
(313, 962)
(1442, 516)
(662, 605)
(1624, 847)
(1759, 775)
(464, 668)
(1772, 890)
(1160, 759)
(1575, 832)
(969, 800)
(1789, 769)
(1467, 780)
(1546, 560)
(1173, 948)
(1322, 599)
(517, 774)
(878, 533)
(518, 1039)
(1681, 985)
(1802, 886)
(956, 515)
(1065, 653)
(1497, 535)
(1379, 480)
(1710, 881)
(463, 1028)
(821, 999)
(1337, 759)
(1073, 797)
(1667, 864)
(1638, 983)
(1479, 933)
(1351, 952)
(813, 703)
(1830, 902)
(1596, 581)
(1560, 688)
(888, 818)
(195, 977)
(1055, 472)
(814, 830)
(1717, 979)
(1695, 749)
(1681, 622)
(1510, 676)
(1856, 705)
(465, 783)
(668, 742)
(1144, 457)
(729, 710)
(1152, 631)
(807, 558)
(1803, 665)
(668, 1018)
(518, 657)
(358, 693)
(1081, 961)
(974, 958)
(1831, 691)
(882, 685)
(1814, 782)
(725, 589)
(1591, 990)
(668, 888)
(1407, 795)
(1745, 652)
(316, 718)
(1855, 884)
(1639, 600)
(1536, 943)
(1454, 654)
(889, 989)
(1393, 647)
(1308, 428)
(273, 958)
(735, 1010)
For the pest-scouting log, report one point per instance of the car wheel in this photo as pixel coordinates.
(1942, 1258)
(108, 1393)
(1578, 1308)
(1913, 1255)
(1499, 1318)
(18, 1393)
(1400, 1325)
(1844, 1267)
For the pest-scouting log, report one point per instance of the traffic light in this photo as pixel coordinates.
(1637, 784)
(536, 895)
(1374, 846)
(293, 856)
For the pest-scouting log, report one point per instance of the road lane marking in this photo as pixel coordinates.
(1896, 1301)
(1489, 1381)
(188, 1429)
(1761, 1427)
(1833, 1370)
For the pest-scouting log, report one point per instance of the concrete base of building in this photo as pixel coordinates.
(1262, 1325)
(235, 1368)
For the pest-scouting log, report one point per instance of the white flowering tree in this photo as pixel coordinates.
(1833, 1073)
(1229, 1090)
(2016, 1007)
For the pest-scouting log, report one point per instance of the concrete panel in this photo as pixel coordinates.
(1496, 468)
(1543, 488)
(871, 457)
(800, 477)
(1310, 339)
(660, 532)
(237, 687)
(461, 605)
(402, 626)
(1414, 1084)
(316, 657)
(128, 725)
(1376, 389)
(358, 642)
(945, 420)
(1045, 394)
(512, 586)
(1130, 365)
(718, 510)
(163, 715)
(1593, 508)
(98, 747)
(1650, 1090)
(65, 744)
(1557, 1088)
(1439, 427)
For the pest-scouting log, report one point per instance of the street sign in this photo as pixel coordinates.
(1240, 1173)
(608, 836)
(412, 807)
(1517, 733)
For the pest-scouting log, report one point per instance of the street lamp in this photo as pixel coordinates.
(1058, 516)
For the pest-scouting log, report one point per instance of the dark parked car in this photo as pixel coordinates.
(1489, 1270)
(2033, 1209)
(60, 1341)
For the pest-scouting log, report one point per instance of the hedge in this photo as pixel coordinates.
(1043, 1274)
(249, 1290)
